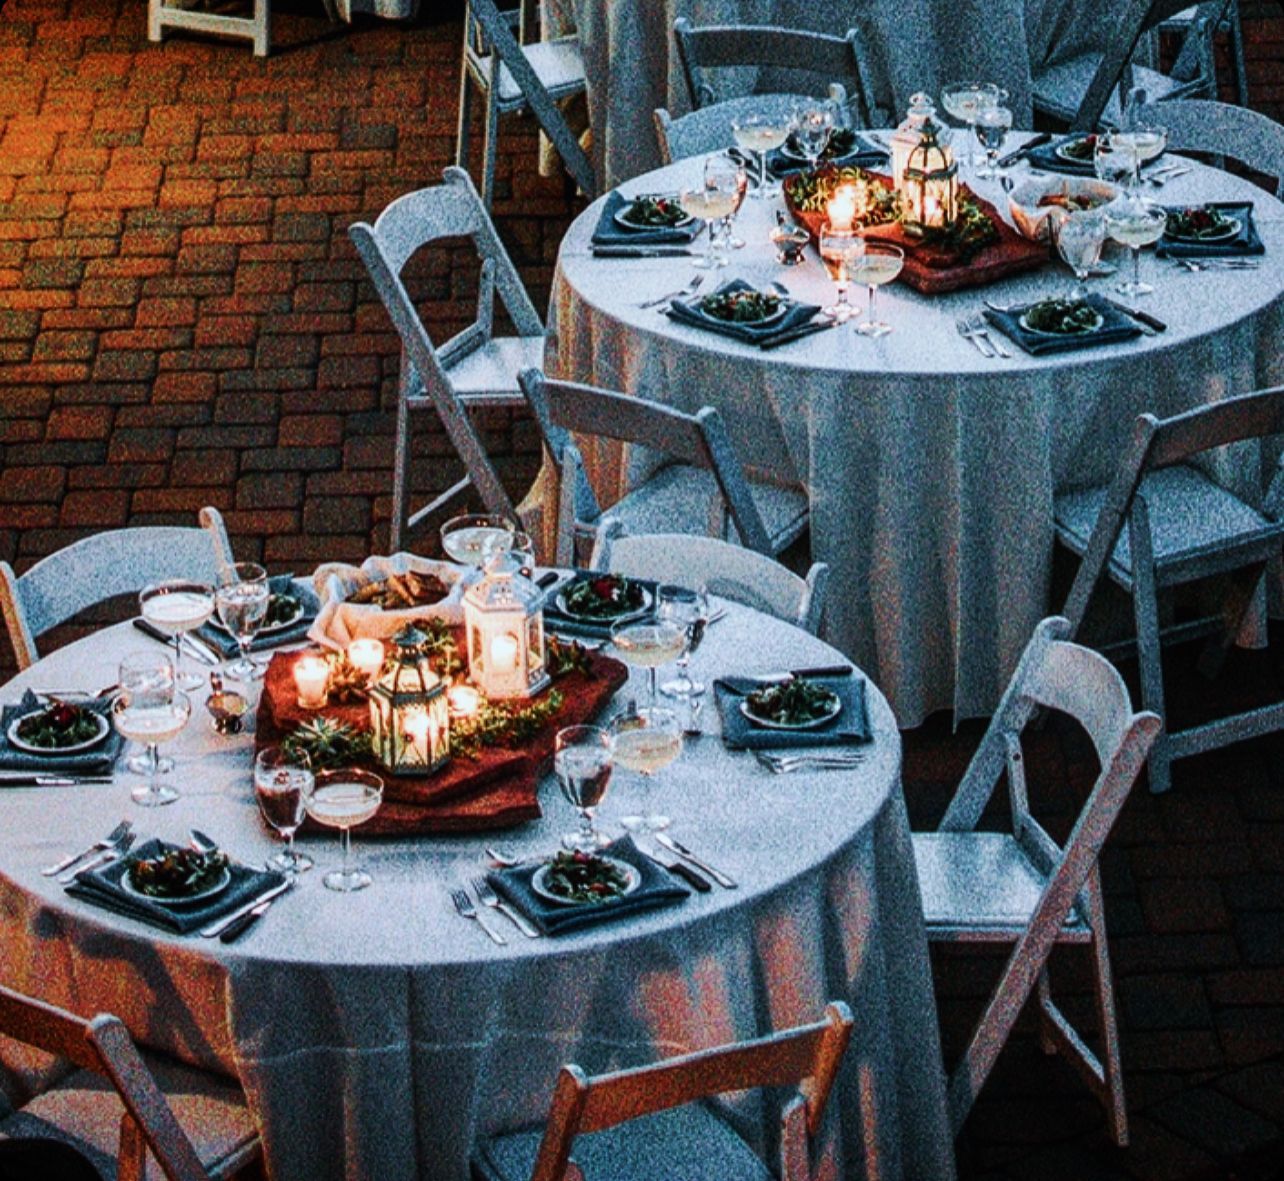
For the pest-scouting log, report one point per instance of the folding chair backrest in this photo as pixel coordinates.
(1220, 129)
(699, 439)
(98, 568)
(450, 210)
(807, 1057)
(103, 1045)
(826, 58)
(709, 128)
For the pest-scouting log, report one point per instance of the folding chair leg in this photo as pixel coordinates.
(1238, 602)
(400, 475)
(1238, 64)
(1116, 1109)
(464, 126)
(1047, 1043)
(1145, 605)
(490, 151)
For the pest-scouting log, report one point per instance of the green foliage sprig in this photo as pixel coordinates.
(502, 725)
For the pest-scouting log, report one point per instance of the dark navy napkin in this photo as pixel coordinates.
(739, 733)
(796, 315)
(864, 154)
(1245, 244)
(656, 888)
(572, 625)
(95, 760)
(102, 887)
(609, 232)
(281, 584)
(1115, 327)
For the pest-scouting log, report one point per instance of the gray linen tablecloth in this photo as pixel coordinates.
(378, 1034)
(930, 470)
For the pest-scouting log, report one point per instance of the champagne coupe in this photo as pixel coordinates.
(147, 676)
(151, 718)
(583, 763)
(648, 643)
(1136, 223)
(879, 264)
(813, 125)
(242, 603)
(646, 741)
(176, 607)
(993, 122)
(838, 250)
(964, 101)
(1080, 238)
(282, 782)
(709, 206)
(342, 799)
(761, 133)
(689, 609)
(472, 539)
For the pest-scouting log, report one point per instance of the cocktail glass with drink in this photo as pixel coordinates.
(1135, 223)
(760, 133)
(877, 265)
(342, 799)
(583, 762)
(474, 538)
(282, 782)
(175, 607)
(648, 643)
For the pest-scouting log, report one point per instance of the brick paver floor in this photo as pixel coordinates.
(183, 322)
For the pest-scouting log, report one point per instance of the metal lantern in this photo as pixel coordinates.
(930, 186)
(505, 629)
(409, 714)
(909, 134)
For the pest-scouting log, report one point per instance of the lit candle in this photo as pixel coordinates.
(503, 654)
(932, 215)
(366, 655)
(311, 676)
(419, 727)
(841, 208)
(464, 701)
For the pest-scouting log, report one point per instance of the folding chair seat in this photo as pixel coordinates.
(1020, 887)
(647, 1121)
(1164, 522)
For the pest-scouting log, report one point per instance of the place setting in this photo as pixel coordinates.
(57, 740)
(648, 225)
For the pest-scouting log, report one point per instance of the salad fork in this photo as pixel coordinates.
(690, 289)
(99, 859)
(982, 329)
(110, 841)
(464, 905)
(966, 332)
(487, 897)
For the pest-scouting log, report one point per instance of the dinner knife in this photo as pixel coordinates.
(1154, 323)
(641, 252)
(674, 866)
(220, 925)
(195, 647)
(51, 780)
(727, 883)
(774, 342)
(237, 928)
(1025, 149)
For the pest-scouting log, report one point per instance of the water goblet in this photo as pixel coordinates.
(726, 176)
(728, 224)
(1080, 238)
(813, 124)
(472, 539)
(147, 677)
(342, 799)
(993, 122)
(1143, 142)
(689, 609)
(242, 602)
(760, 133)
(151, 719)
(582, 762)
(283, 780)
(839, 249)
(879, 264)
(1136, 223)
(175, 607)
(646, 741)
(648, 643)
(964, 100)
(1112, 160)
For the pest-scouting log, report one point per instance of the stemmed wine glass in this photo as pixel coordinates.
(689, 609)
(812, 126)
(709, 206)
(993, 122)
(760, 133)
(1112, 160)
(838, 250)
(1143, 143)
(343, 799)
(648, 643)
(879, 263)
(646, 741)
(151, 711)
(242, 603)
(282, 783)
(152, 674)
(723, 171)
(175, 607)
(1080, 238)
(1136, 223)
(472, 539)
(583, 762)
(964, 101)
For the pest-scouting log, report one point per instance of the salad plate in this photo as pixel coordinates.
(605, 598)
(796, 704)
(176, 876)
(585, 879)
(58, 729)
(653, 212)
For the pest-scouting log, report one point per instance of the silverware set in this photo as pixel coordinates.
(1158, 177)
(103, 857)
(818, 760)
(1195, 265)
(696, 282)
(108, 845)
(467, 909)
(487, 897)
(974, 328)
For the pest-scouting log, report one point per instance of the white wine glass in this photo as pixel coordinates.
(147, 676)
(583, 762)
(689, 609)
(839, 249)
(709, 206)
(646, 741)
(993, 122)
(474, 538)
(1080, 239)
(964, 100)
(242, 602)
(648, 643)
(283, 780)
(813, 125)
(151, 720)
(1136, 223)
(342, 799)
(760, 133)
(1142, 142)
(877, 265)
(176, 607)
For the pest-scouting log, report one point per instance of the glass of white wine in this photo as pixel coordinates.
(1136, 223)
(964, 100)
(175, 607)
(342, 799)
(760, 133)
(878, 264)
(472, 539)
(1142, 143)
(242, 602)
(648, 643)
(282, 782)
(150, 676)
(583, 762)
(646, 741)
(839, 249)
(151, 718)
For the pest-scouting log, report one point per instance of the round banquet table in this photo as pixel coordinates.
(378, 1034)
(930, 470)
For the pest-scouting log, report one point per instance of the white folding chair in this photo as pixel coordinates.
(257, 27)
(1232, 25)
(646, 1122)
(473, 368)
(1162, 522)
(121, 1107)
(1225, 131)
(513, 77)
(1087, 91)
(709, 129)
(1021, 887)
(98, 568)
(742, 575)
(702, 489)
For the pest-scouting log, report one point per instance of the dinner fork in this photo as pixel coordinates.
(110, 841)
(487, 897)
(982, 329)
(465, 906)
(1218, 264)
(965, 331)
(104, 858)
(690, 289)
(784, 764)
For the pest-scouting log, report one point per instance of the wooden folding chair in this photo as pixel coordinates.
(1022, 887)
(100, 567)
(1224, 131)
(195, 1125)
(742, 575)
(473, 368)
(710, 128)
(1232, 26)
(637, 1127)
(1163, 522)
(702, 489)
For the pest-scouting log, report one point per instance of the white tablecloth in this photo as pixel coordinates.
(930, 470)
(378, 1034)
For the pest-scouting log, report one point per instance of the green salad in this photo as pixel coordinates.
(655, 212)
(176, 873)
(1083, 149)
(1062, 317)
(1200, 223)
(59, 726)
(585, 877)
(795, 702)
(607, 596)
(282, 609)
(744, 306)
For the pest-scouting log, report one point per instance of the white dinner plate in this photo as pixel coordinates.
(57, 751)
(633, 880)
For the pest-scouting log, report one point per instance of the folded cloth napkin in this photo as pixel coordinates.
(739, 733)
(1115, 327)
(797, 315)
(572, 625)
(87, 762)
(102, 887)
(281, 584)
(609, 232)
(864, 154)
(1045, 157)
(656, 888)
(1247, 243)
